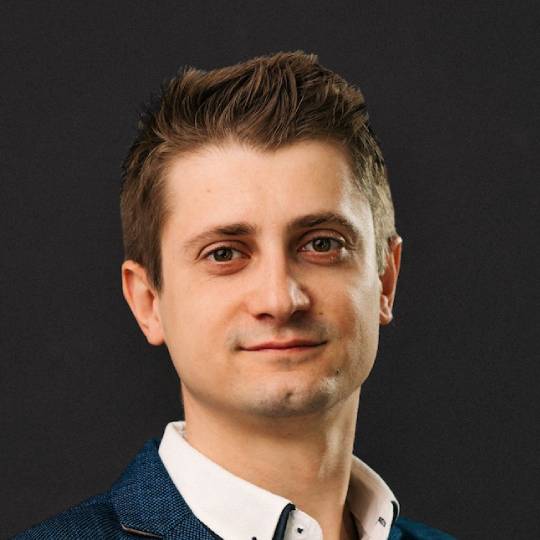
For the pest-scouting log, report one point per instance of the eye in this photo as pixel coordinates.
(221, 254)
(323, 244)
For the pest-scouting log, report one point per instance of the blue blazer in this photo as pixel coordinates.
(144, 503)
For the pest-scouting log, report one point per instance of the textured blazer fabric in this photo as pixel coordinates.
(145, 503)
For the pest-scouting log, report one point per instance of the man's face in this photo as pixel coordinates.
(225, 293)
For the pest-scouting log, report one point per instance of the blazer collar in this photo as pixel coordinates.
(147, 502)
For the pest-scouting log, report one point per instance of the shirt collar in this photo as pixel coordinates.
(215, 494)
(372, 503)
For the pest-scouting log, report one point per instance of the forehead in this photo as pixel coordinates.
(232, 182)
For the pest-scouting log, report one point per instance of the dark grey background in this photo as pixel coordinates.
(449, 417)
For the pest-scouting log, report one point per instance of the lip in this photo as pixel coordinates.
(292, 345)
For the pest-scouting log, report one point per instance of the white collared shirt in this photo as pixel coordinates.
(237, 510)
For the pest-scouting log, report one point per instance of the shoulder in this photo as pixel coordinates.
(407, 529)
(92, 518)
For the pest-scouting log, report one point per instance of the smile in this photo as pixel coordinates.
(288, 350)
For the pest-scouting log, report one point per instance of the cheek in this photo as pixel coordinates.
(192, 332)
(184, 310)
(359, 311)
(359, 318)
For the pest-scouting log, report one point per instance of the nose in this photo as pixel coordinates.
(277, 293)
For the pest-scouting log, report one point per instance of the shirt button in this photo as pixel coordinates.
(299, 530)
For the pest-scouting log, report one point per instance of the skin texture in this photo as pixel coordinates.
(259, 413)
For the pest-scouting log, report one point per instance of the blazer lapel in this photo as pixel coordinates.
(148, 504)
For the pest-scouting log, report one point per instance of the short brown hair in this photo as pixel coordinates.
(266, 102)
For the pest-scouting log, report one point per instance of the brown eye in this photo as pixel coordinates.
(323, 244)
(221, 254)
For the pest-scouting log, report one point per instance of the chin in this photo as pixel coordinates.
(290, 399)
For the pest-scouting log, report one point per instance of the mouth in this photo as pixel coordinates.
(293, 349)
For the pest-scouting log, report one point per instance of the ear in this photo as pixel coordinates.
(142, 300)
(388, 279)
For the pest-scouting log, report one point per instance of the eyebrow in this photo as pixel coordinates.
(302, 222)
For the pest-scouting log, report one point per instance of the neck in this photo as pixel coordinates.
(304, 459)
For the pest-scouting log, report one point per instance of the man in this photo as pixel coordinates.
(260, 248)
